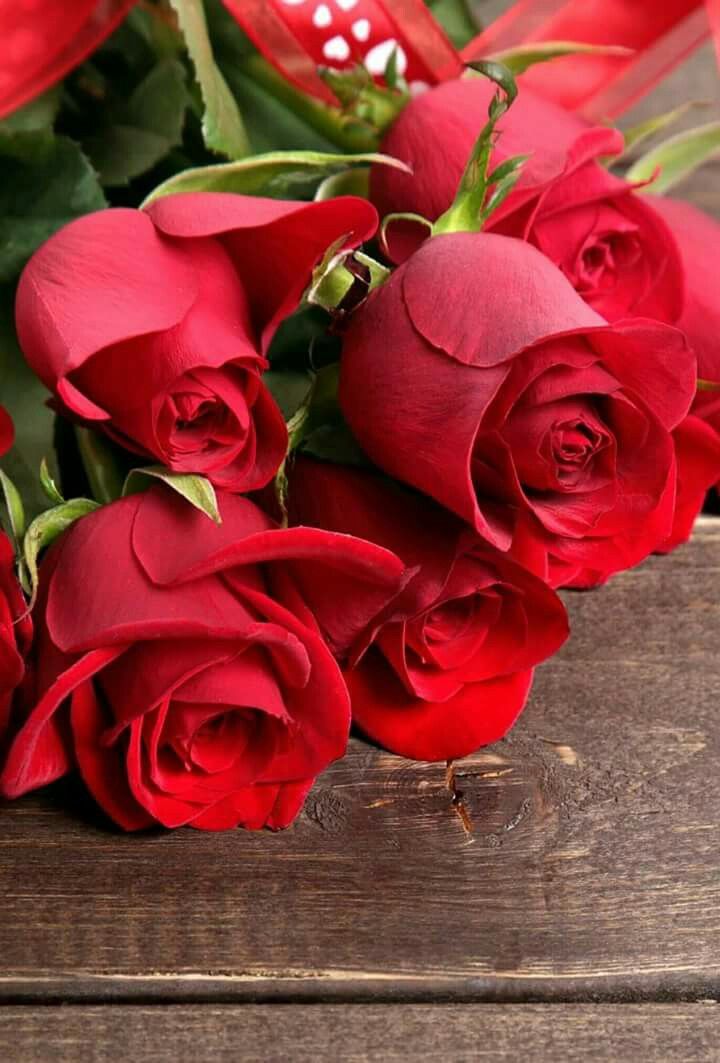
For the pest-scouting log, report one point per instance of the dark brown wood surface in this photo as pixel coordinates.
(652, 1033)
(589, 870)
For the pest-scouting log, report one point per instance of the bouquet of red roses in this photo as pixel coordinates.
(336, 343)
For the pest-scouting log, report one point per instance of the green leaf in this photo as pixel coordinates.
(273, 124)
(523, 56)
(289, 388)
(345, 183)
(391, 75)
(45, 529)
(503, 78)
(281, 116)
(457, 19)
(13, 503)
(223, 127)
(46, 182)
(676, 158)
(48, 484)
(638, 134)
(196, 490)
(40, 113)
(336, 443)
(24, 397)
(145, 130)
(277, 174)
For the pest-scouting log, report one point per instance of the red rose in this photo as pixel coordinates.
(698, 237)
(179, 666)
(477, 374)
(15, 633)
(698, 440)
(611, 246)
(152, 324)
(447, 666)
(43, 40)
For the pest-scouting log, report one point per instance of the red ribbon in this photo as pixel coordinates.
(297, 36)
(661, 33)
(42, 40)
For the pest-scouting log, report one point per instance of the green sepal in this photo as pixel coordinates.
(43, 531)
(197, 490)
(458, 20)
(104, 474)
(373, 106)
(339, 272)
(388, 220)
(277, 174)
(676, 158)
(14, 506)
(48, 484)
(474, 202)
(707, 385)
(638, 134)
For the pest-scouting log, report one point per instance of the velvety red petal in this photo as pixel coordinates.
(119, 601)
(269, 805)
(697, 446)
(346, 580)
(102, 279)
(274, 243)
(655, 362)
(452, 295)
(359, 503)
(102, 766)
(39, 753)
(479, 714)
(698, 236)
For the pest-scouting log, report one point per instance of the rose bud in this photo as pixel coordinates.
(15, 634)
(447, 665)
(179, 666)
(477, 374)
(615, 251)
(152, 325)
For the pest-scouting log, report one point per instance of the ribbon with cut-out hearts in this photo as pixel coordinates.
(660, 34)
(298, 36)
(42, 40)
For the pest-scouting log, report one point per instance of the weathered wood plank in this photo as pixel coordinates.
(651, 1033)
(591, 872)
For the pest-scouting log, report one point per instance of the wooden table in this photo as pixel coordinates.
(559, 899)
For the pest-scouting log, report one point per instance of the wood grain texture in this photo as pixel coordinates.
(651, 1033)
(591, 872)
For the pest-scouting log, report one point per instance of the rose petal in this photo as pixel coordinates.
(275, 244)
(479, 714)
(102, 279)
